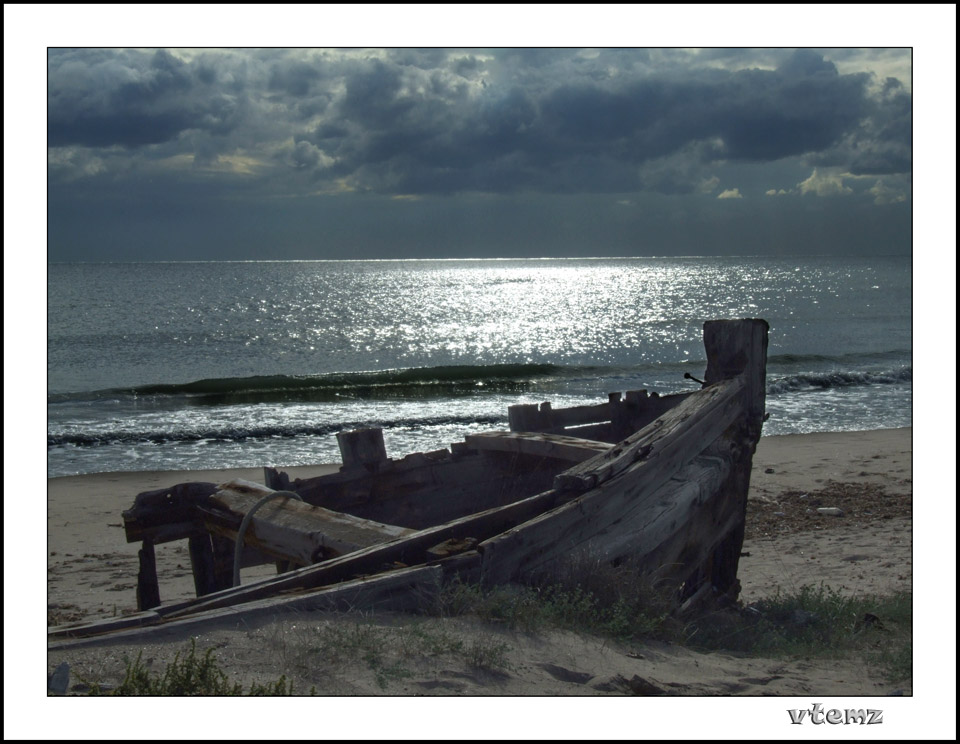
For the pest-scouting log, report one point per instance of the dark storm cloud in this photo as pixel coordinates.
(133, 99)
(439, 121)
(556, 135)
(880, 142)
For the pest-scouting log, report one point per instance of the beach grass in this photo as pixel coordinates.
(813, 622)
(623, 605)
(188, 675)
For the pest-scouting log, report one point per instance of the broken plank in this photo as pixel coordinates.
(572, 449)
(404, 590)
(289, 529)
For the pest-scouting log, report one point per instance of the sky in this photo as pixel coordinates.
(448, 152)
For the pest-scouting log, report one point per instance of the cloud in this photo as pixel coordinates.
(825, 184)
(435, 121)
(883, 194)
(730, 194)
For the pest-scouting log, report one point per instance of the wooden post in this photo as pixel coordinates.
(222, 562)
(735, 347)
(362, 447)
(738, 347)
(524, 417)
(148, 591)
(201, 561)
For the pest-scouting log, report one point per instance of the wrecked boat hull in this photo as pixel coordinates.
(660, 481)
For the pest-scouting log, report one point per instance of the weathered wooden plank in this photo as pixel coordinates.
(435, 490)
(464, 567)
(633, 510)
(404, 590)
(223, 557)
(637, 530)
(684, 430)
(291, 529)
(571, 449)
(97, 627)
(408, 549)
(593, 432)
(576, 415)
(166, 513)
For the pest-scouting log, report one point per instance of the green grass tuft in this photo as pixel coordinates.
(192, 676)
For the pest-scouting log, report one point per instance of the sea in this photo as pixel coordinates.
(201, 365)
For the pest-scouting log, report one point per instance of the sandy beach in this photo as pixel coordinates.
(92, 570)
(92, 573)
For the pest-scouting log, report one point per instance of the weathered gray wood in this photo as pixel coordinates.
(608, 422)
(223, 557)
(674, 438)
(97, 627)
(739, 348)
(166, 513)
(463, 567)
(639, 528)
(201, 561)
(275, 479)
(420, 492)
(628, 515)
(410, 549)
(292, 530)
(404, 590)
(148, 591)
(362, 447)
(704, 545)
(594, 432)
(525, 417)
(571, 449)
(577, 415)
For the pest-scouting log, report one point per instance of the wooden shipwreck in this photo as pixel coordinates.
(660, 481)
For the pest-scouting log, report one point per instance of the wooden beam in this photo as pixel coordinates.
(572, 449)
(288, 529)
(166, 514)
(668, 442)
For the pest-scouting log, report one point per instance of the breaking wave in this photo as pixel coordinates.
(838, 379)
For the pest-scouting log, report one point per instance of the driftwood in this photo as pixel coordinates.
(289, 529)
(408, 590)
(659, 480)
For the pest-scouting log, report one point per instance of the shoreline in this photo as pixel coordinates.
(307, 471)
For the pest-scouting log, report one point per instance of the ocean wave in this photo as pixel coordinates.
(412, 383)
(844, 360)
(245, 433)
(838, 379)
